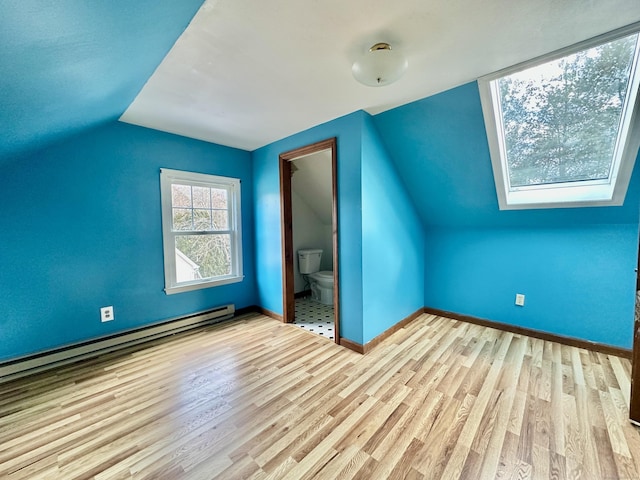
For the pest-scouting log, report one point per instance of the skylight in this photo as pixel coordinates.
(562, 129)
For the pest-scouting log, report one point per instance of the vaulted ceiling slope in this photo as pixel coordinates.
(70, 64)
(245, 73)
(439, 147)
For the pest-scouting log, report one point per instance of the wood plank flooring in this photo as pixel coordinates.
(255, 398)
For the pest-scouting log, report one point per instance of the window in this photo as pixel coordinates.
(562, 130)
(201, 230)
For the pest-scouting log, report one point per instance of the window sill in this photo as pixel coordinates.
(567, 197)
(187, 287)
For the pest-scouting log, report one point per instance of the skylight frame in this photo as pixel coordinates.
(583, 193)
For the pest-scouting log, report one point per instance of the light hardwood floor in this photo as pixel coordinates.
(254, 398)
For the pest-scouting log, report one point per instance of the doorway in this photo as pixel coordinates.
(288, 253)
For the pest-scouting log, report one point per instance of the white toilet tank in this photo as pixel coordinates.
(309, 260)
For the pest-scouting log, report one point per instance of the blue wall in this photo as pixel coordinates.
(81, 229)
(575, 265)
(440, 148)
(392, 241)
(578, 281)
(381, 240)
(268, 253)
(69, 65)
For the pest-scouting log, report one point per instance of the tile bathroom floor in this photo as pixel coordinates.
(314, 317)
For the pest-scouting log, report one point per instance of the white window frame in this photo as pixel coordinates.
(232, 185)
(610, 192)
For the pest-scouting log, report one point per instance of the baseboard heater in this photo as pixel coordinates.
(72, 353)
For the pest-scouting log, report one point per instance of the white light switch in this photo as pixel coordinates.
(520, 299)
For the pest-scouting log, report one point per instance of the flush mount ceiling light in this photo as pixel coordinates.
(379, 66)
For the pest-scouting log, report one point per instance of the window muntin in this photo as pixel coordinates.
(201, 230)
(561, 128)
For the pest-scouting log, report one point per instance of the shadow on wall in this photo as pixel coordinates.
(312, 205)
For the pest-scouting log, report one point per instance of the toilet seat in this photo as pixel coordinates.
(324, 278)
(324, 275)
(321, 284)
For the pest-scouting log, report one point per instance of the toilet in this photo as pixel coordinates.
(321, 282)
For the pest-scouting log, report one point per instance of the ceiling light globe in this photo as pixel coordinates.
(379, 66)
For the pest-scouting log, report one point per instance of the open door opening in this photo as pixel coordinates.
(287, 227)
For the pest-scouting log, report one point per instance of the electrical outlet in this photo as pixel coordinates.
(520, 299)
(106, 314)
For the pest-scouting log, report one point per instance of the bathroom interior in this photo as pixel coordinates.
(311, 197)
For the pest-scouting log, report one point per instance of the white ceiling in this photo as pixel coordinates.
(246, 73)
(312, 181)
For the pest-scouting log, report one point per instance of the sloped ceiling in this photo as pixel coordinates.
(246, 72)
(312, 181)
(440, 149)
(69, 64)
